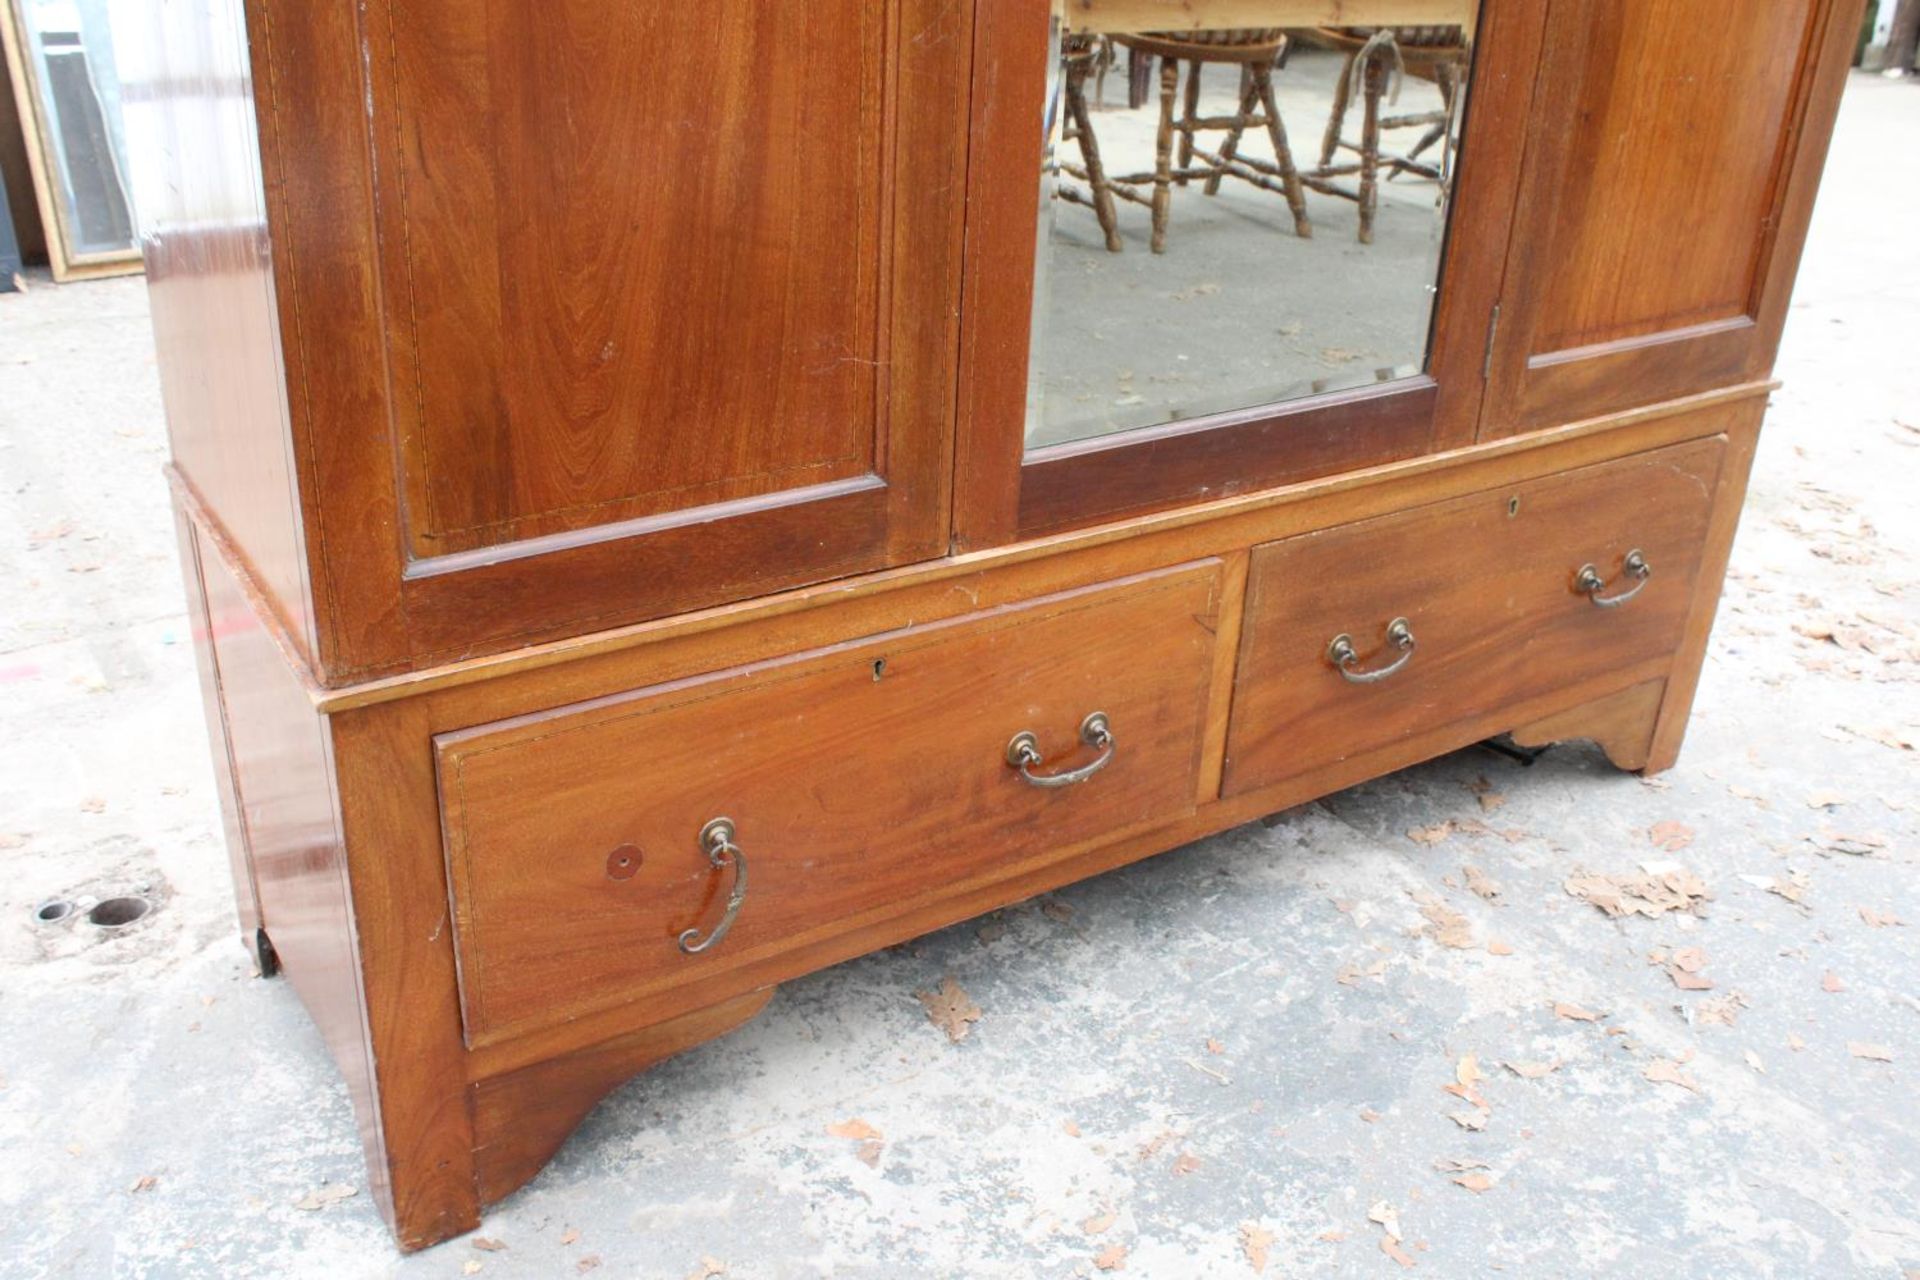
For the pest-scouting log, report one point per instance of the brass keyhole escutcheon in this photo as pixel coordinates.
(624, 862)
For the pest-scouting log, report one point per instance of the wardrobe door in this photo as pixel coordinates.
(1670, 173)
(641, 307)
(1217, 246)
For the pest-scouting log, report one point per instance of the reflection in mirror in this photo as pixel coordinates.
(1237, 216)
(72, 99)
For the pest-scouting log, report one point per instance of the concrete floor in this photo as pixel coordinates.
(1169, 1074)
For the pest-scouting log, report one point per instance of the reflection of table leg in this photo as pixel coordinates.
(1289, 174)
(1102, 190)
(1163, 153)
(1192, 114)
(1375, 87)
(1342, 94)
(1231, 147)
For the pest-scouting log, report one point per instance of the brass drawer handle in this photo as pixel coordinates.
(717, 839)
(1345, 657)
(1024, 752)
(1589, 583)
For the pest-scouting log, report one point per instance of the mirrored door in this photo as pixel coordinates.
(1264, 243)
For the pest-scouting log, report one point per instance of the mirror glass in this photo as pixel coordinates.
(65, 50)
(1236, 216)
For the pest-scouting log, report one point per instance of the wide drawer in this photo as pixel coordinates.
(861, 781)
(1489, 590)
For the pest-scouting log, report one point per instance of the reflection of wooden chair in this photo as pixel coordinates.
(1377, 58)
(1082, 56)
(1255, 50)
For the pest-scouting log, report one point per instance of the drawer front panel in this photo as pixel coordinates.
(861, 780)
(1488, 588)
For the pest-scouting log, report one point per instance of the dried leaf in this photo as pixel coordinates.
(1467, 1071)
(1871, 1052)
(1495, 947)
(1446, 926)
(570, 1236)
(1671, 836)
(1111, 1258)
(1534, 1070)
(1684, 968)
(1830, 981)
(1214, 1046)
(1878, 919)
(1099, 1222)
(1753, 1060)
(1432, 835)
(1574, 1013)
(1857, 846)
(1256, 1240)
(1795, 1043)
(1185, 1164)
(1352, 973)
(471, 1267)
(1071, 1129)
(1661, 1071)
(487, 1244)
(588, 1263)
(321, 1197)
(146, 1182)
(868, 1152)
(856, 1129)
(1391, 1247)
(1054, 909)
(1721, 1010)
(1478, 881)
(1662, 887)
(950, 1009)
(1474, 1182)
(709, 1267)
(1387, 1217)
(1472, 1121)
(1825, 800)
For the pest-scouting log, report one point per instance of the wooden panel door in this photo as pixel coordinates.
(641, 308)
(1670, 174)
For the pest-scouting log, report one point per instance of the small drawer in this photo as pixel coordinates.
(1457, 609)
(860, 782)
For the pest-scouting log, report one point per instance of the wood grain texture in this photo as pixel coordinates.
(1486, 583)
(521, 1118)
(809, 616)
(1620, 724)
(859, 779)
(1670, 171)
(1743, 438)
(634, 257)
(1680, 130)
(194, 153)
(611, 315)
(246, 895)
(383, 771)
(282, 780)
